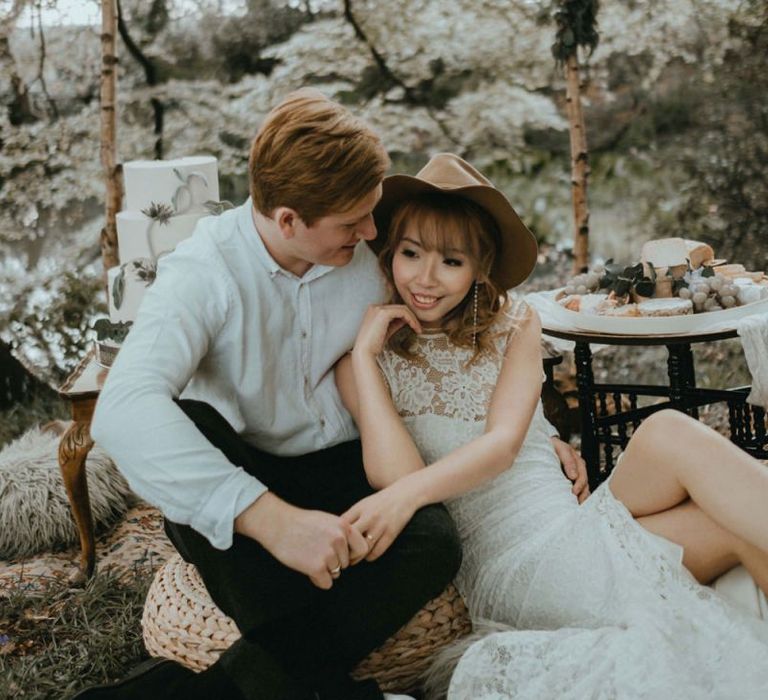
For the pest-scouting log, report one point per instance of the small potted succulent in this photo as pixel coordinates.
(109, 338)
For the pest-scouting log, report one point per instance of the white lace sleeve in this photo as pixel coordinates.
(513, 317)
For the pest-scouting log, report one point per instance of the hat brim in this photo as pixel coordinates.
(519, 249)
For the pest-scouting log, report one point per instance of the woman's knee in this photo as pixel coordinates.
(662, 431)
(666, 421)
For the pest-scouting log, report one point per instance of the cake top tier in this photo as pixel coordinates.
(183, 184)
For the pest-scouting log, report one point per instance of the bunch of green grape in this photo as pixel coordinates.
(586, 282)
(711, 293)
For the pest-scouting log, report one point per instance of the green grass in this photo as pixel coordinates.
(42, 405)
(56, 641)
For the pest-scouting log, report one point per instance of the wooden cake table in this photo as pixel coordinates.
(81, 389)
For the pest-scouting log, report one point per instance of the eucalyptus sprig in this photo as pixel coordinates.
(106, 330)
(622, 280)
(144, 270)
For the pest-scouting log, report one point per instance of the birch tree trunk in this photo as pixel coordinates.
(112, 171)
(579, 166)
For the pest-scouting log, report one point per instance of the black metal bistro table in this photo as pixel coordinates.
(609, 413)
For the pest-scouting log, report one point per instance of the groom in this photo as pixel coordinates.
(221, 409)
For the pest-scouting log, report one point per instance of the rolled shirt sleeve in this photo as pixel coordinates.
(164, 457)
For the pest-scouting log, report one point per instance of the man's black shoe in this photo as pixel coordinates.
(153, 678)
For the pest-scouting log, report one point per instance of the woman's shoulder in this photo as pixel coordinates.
(512, 316)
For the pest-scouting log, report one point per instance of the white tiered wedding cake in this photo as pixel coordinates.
(163, 201)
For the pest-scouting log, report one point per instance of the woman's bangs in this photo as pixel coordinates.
(443, 231)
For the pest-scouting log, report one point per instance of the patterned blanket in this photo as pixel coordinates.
(137, 541)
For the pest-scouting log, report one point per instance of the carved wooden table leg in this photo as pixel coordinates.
(73, 450)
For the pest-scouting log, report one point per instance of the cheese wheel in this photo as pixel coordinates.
(665, 307)
(665, 252)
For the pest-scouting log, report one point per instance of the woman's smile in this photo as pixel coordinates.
(424, 301)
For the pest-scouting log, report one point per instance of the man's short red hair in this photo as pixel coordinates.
(314, 156)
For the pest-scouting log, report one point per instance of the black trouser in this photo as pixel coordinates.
(297, 638)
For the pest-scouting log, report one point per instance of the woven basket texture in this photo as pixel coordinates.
(181, 622)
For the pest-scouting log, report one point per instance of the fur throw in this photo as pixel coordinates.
(34, 509)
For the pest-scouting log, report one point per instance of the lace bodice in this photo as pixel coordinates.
(439, 383)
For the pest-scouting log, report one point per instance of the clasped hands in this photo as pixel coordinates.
(319, 544)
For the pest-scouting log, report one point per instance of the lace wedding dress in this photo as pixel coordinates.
(596, 606)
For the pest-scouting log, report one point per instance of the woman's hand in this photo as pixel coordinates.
(381, 517)
(380, 323)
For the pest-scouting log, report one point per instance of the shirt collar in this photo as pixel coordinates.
(251, 235)
(248, 228)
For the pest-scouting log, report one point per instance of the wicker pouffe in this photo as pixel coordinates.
(182, 623)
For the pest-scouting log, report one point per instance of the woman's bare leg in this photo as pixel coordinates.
(672, 458)
(709, 550)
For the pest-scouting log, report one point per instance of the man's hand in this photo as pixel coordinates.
(574, 467)
(309, 541)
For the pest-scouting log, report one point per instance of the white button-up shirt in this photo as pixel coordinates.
(225, 324)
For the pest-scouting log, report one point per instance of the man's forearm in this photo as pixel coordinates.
(169, 463)
(261, 520)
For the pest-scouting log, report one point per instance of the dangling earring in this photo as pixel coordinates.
(474, 320)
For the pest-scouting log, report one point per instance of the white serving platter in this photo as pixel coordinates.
(566, 319)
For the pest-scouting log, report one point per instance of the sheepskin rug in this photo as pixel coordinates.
(34, 510)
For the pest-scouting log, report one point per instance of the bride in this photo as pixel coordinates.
(601, 599)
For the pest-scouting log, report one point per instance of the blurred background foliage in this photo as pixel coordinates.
(674, 101)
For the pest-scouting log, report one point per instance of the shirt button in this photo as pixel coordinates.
(303, 334)
(322, 422)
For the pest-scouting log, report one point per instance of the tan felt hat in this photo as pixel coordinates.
(448, 174)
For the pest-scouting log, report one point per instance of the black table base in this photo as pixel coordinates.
(610, 413)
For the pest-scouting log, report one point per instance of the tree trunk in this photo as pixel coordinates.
(579, 166)
(112, 173)
(150, 72)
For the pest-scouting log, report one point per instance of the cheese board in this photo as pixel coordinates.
(552, 311)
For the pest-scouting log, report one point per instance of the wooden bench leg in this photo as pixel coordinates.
(73, 450)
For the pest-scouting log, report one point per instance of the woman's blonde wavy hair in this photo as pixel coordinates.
(447, 222)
